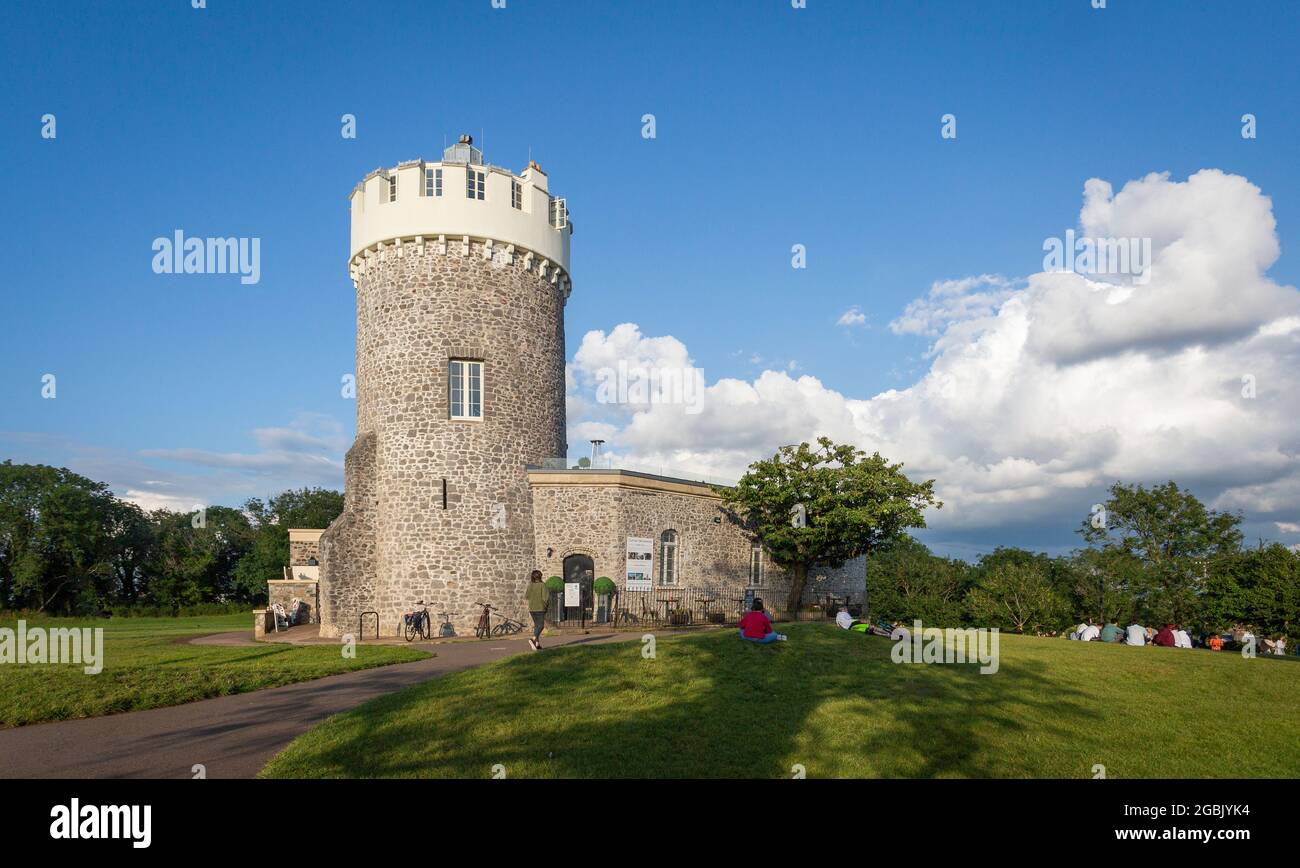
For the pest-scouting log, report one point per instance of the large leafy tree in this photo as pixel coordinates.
(1174, 536)
(271, 519)
(1016, 595)
(58, 533)
(1104, 583)
(825, 504)
(906, 582)
(1259, 587)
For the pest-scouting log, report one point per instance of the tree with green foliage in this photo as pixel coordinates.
(57, 538)
(825, 505)
(1259, 587)
(906, 582)
(1016, 595)
(268, 553)
(1175, 538)
(1103, 584)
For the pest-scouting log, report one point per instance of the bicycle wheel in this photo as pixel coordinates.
(500, 629)
(410, 630)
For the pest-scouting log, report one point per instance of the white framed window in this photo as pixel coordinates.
(465, 389)
(430, 187)
(756, 566)
(437, 182)
(474, 184)
(559, 213)
(392, 188)
(668, 558)
(516, 195)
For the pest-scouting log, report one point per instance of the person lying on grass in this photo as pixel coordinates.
(757, 627)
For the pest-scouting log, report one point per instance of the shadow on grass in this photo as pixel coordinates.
(706, 706)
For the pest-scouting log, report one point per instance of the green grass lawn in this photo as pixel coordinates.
(832, 701)
(145, 666)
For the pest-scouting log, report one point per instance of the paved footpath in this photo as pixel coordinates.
(232, 736)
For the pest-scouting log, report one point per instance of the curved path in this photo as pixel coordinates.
(231, 736)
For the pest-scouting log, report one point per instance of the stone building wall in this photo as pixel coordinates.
(347, 547)
(415, 312)
(594, 512)
(285, 591)
(301, 552)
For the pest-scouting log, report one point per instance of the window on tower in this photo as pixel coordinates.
(559, 213)
(516, 195)
(474, 184)
(756, 566)
(392, 188)
(432, 182)
(465, 389)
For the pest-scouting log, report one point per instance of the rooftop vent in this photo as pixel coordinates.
(463, 152)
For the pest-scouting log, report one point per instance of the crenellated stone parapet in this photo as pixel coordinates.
(499, 252)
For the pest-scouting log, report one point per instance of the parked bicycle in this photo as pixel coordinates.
(486, 628)
(417, 623)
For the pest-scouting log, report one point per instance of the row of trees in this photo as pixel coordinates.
(1153, 555)
(68, 546)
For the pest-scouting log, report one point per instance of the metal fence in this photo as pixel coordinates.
(660, 607)
(677, 607)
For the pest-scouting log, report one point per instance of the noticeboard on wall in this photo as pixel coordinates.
(640, 559)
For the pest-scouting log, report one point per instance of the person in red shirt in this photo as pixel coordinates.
(757, 627)
(1166, 636)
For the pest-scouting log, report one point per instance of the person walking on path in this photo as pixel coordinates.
(537, 599)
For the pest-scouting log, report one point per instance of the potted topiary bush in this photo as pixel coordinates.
(555, 585)
(604, 589)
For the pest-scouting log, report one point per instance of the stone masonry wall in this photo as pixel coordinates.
(285, 592)
(596, 520)
(302, 551)
(415, 312)
(347, 547)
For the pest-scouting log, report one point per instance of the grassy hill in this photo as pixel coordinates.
(148, 665)
(831, 701)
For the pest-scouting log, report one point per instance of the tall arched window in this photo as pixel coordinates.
(668, 557)
(756, 566)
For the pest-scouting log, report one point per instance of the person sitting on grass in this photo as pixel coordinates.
(1135, 634)
(1182, 639)
(1215, 642)
(757, 627)
(1111, 632)
(1090, 633)
(1165, 638)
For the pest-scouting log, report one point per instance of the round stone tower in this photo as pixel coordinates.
(461, 271)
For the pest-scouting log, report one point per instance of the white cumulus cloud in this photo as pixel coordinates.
(1042, 391)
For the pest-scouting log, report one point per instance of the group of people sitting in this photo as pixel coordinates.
(1169, 636)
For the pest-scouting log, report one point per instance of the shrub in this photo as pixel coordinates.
(604, 585)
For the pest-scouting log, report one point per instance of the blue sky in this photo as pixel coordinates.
(775, 126)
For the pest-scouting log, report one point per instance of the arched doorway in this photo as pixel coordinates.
(579, 568)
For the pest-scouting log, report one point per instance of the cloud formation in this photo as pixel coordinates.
(1044, 390)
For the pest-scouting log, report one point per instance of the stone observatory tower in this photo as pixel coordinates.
(461, 272)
